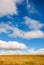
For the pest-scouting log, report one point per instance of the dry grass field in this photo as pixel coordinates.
(21, 59)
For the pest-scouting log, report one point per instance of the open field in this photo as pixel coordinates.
(21, 59)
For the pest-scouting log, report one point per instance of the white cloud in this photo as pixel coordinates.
(8, 7)
(33, 51)
(33, 24)
(12, 45)
(16, 32)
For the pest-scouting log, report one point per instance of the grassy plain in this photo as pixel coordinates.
(21, 59)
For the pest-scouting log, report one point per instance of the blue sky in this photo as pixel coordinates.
(22, 26)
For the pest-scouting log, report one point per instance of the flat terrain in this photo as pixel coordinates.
(21, 59)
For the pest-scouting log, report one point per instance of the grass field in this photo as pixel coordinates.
(21, 59)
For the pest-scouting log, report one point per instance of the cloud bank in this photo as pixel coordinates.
(12, 45)
(10, 52)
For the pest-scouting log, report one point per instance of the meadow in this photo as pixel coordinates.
(21, 59)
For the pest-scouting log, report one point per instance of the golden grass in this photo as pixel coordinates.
(21, 59)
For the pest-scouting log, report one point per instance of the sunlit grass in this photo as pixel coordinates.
(21, 59)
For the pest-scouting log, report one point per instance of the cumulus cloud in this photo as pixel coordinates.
(33, 51)
(33, 24)
(8, 7)
(16, 32)
(12, 45)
